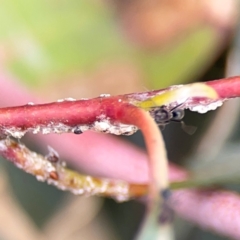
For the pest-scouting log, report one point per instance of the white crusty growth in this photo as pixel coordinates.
(102, 124)
(203, 108)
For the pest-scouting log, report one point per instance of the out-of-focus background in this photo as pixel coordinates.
(83, 48)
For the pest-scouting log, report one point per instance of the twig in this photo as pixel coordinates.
(57, 174)
(103, 114)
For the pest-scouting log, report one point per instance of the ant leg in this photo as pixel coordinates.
(188, 129)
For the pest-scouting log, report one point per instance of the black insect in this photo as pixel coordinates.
(52, 155)
(77, 130)
(163, 116)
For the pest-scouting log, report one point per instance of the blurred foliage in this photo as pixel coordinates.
(54, 41)
(182, 61)
(47, 39)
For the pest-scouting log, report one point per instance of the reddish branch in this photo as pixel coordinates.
(84, 112)
(69, 113)
(226, 88)
(64, 116)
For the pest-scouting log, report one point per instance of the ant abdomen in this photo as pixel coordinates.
(162, 115)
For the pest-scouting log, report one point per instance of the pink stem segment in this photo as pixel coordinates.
(226, 87)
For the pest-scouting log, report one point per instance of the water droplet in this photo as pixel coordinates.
(105, 95)
(69, 99)
(66, 99)
(30, 103)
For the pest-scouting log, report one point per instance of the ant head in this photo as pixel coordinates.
(177, 115)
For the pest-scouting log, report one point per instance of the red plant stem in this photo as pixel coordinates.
(73, 113)
(70, 113)
(226, 87)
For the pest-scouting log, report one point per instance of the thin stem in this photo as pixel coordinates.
(157, 154)
(156, 225)
(55, 173)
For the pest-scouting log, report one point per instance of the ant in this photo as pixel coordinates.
(163, 116)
